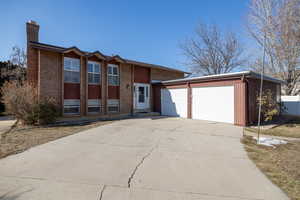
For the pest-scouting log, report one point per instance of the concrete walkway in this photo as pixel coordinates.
(139, 159)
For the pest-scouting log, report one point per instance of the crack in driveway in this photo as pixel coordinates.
(102, 192)
(138, 165)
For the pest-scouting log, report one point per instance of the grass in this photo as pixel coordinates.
(21, 139)
(289, 129)
(281, 164)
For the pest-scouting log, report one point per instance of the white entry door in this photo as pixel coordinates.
(213, 103)
(174, 102)
(141, 96)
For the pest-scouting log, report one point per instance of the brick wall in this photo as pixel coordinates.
(32, 65)
(83, 85)
(32, 35)
(51, 79)
(163, 75)
(104, 87)
(141, 74)
(50, 75)
(126, 100)
(94, 92)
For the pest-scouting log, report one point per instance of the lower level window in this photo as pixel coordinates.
(94, 105)
(71, 106)
(113, 105)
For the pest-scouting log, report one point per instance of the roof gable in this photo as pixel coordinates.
(99, 55)
(75, 50)
(116, 58)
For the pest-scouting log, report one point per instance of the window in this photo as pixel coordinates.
(71, 106)
(71, 70)
(94, 106)
(94, 73)
(113, 105)
(113, 75)
(141, 94)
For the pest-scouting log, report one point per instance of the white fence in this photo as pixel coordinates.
(292, 105)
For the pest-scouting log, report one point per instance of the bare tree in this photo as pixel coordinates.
(212, 52)
(16, 66)
(277, 24)
(18, 57)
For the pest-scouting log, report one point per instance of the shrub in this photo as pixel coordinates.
(48, 111)
(21, 100)
(269, 105)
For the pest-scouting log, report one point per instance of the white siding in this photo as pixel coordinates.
(213, 103)
(174, 102)
(292, 105)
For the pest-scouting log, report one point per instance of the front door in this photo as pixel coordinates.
(141, 96)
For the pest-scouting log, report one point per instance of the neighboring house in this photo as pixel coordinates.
(230, 98)
(90, 83)
(291, 105)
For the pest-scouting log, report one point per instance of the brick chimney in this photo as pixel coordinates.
(32, 30)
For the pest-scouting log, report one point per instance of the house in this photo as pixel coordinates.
(230, 98)
(91, 83)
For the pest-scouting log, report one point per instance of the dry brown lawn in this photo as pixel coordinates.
(22, 138)
(290, 129)
(281, 164)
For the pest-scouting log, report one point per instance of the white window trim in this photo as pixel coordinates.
(94, 63)
(92, 106)
(113, 75)
(113, 102)
(69, 70)
(71, 105)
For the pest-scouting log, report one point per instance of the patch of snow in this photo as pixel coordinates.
(271, 142)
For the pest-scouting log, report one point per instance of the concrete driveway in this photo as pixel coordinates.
(5, 123)
(139, 159)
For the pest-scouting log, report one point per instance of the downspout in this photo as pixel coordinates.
(245, 80)
(189, 100)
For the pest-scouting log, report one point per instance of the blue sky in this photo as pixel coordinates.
(148, 31)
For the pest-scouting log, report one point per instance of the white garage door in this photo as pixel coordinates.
(174, 102)
(213, 103)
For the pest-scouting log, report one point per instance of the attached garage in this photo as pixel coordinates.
(213, 103)
(174, 102)
(229, 98)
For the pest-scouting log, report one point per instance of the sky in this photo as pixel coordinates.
(148, 31)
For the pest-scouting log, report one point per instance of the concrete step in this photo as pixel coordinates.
(146, 114)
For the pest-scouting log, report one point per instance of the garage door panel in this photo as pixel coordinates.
(174, 102)
(213, 103)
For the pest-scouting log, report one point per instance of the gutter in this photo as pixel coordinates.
(59, 49)
(247, 74)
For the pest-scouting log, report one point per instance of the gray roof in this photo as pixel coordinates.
(62, 49)
(226, 75)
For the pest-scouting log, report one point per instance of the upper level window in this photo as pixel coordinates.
(71, 70)
(113, 74)
(94, 72)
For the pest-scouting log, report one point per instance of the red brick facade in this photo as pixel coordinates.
(141, 75)
(46, 71)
